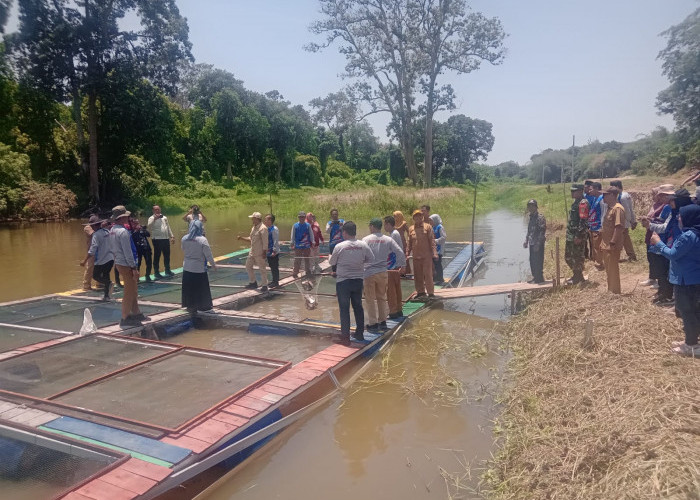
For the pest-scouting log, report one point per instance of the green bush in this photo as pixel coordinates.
(205, 176)
(307, 170)
(338, 169)
(47, 201)
(138, 178)
(15, 171)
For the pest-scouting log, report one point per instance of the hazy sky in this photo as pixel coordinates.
(579, 67)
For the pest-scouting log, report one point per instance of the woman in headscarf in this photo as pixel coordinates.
(316, 241)
(685, 275)
(653, 213)
(440, 239)
(658, 266)
(402, 227)
(196, 295)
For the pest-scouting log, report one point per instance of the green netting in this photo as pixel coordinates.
(57, 368)
(168, 391)
(31, 469)
(12, 338)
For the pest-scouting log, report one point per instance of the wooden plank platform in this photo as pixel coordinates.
(480, 291)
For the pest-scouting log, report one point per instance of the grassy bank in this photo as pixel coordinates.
(618, 419)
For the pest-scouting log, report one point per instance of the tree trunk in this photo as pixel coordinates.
(341, 147)
(280, 166)
(80, 133)
(428, 167)
(409, 155)
(94, 184)
(229, 171)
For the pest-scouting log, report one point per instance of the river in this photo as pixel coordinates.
(418, 424)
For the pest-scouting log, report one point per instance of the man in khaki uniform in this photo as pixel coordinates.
(612, 237)
(421, 245)
(93, 225)
(258, 252)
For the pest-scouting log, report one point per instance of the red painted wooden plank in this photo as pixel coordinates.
(9, 354)
(128, 480)
(252, 403)
(275, 389)
(240, 410)
(74, 495)
(271, 398)
(305, 374)
(328, 357)
(100, 490)
(257, 393)
(223, 416)
(146, 469)
(211, 431)
(287, 382)
(196, 445)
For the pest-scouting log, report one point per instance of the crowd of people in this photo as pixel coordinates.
(598, 228)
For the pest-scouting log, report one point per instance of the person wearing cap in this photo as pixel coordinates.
(125, 261)
(534, 240)
(440, 239)
(577, 234)
(100, 255)
(334, 228)
(350, 258)
(162, 237)
(611, 235)
(596, 211)
(273, 249)
(94, 223)
(662, 225)
(301, 244)
(376, 274)
(316, 240)
(196, 294)
(421, 246)
(394, 294)
(258, 252)
(630, 220)
(684, 257)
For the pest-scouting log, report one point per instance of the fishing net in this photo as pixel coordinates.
(308, 288)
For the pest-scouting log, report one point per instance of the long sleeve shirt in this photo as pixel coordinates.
(258, 239)
(197, 253)
(684, 256)
(301, 235)
(273, 241)
(382, 247)
(350, 258)
(536, 230)
(100, 247)
(159, 228)
(440, 238)
(628, 204)
(421, 241)
(123, 247)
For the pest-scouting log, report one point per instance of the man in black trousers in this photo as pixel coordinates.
(536, 229)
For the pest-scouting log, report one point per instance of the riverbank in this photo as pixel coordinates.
(619, 418)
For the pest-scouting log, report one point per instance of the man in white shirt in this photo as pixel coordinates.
(162, 237)
(350, 257)
(630, 220)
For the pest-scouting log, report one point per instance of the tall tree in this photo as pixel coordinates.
(681, 64)
(338, 112)
(70, 47)
(454, 39)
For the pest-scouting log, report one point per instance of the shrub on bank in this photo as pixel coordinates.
(47, 201)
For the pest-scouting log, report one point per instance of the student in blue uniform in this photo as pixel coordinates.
(440, 239)
(301, 244)
(273, 249)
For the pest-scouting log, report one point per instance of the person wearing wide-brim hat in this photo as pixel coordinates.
(577, 234)
(258, 252)
(125, 260)
(93, 224)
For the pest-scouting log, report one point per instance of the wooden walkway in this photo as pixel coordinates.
(480, 291)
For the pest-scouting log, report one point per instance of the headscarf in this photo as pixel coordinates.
(195, 229)
(310, 219)
(399, 219)
(436, 219)
(690, 217)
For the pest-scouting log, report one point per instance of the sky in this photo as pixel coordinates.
(574, 67)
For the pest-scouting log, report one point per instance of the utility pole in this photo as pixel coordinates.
(573, 155)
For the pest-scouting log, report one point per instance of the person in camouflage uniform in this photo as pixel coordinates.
(577, 234)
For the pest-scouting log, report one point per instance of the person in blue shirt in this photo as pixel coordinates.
(595, 222)
(301, 244)
(334, 228)
(684, 273)
(440, 239)
(273, 249)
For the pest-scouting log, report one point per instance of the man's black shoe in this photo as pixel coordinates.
(342, 340)
(138, 317)
(359, 337)
(148, 279)
(263, 289)
(274, 284)
(396, 315)
(169, 273)
(129, 323)
(372, 328)
(158, 276)
(252, 286)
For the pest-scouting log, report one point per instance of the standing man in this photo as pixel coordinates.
(595, 219)
(258, 252)
(440, 239)
(611, 235)
(94, 224)
(334, 228)
(350, 257)
(535, 238)
(425, 210)
(421, 244)
(376, 274)
(301, 244)
(162, 237)
(100, 254)
(576, 234)
(125, 260)
(630, 220)
(273, 249)
(394, 294)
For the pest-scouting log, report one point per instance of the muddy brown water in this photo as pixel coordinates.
(418, 424)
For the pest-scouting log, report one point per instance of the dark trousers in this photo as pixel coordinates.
(101, 275)
(537, 262)
(688, 305)
(161, 246)
(658, 270)
(148, 257)
(350, 292)
(437, 271)
(274, 263)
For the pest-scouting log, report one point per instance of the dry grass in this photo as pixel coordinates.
(620, 419)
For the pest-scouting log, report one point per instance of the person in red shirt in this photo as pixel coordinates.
(315, 241)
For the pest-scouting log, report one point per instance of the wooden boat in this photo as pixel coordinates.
(112, 401)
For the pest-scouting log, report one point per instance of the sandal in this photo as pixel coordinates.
(692, 351)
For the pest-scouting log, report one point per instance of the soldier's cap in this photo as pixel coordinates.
(532, 202)
(576, 187)
(376, 222)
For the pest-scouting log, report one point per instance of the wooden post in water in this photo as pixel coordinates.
(557, 281)
(512, 302)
